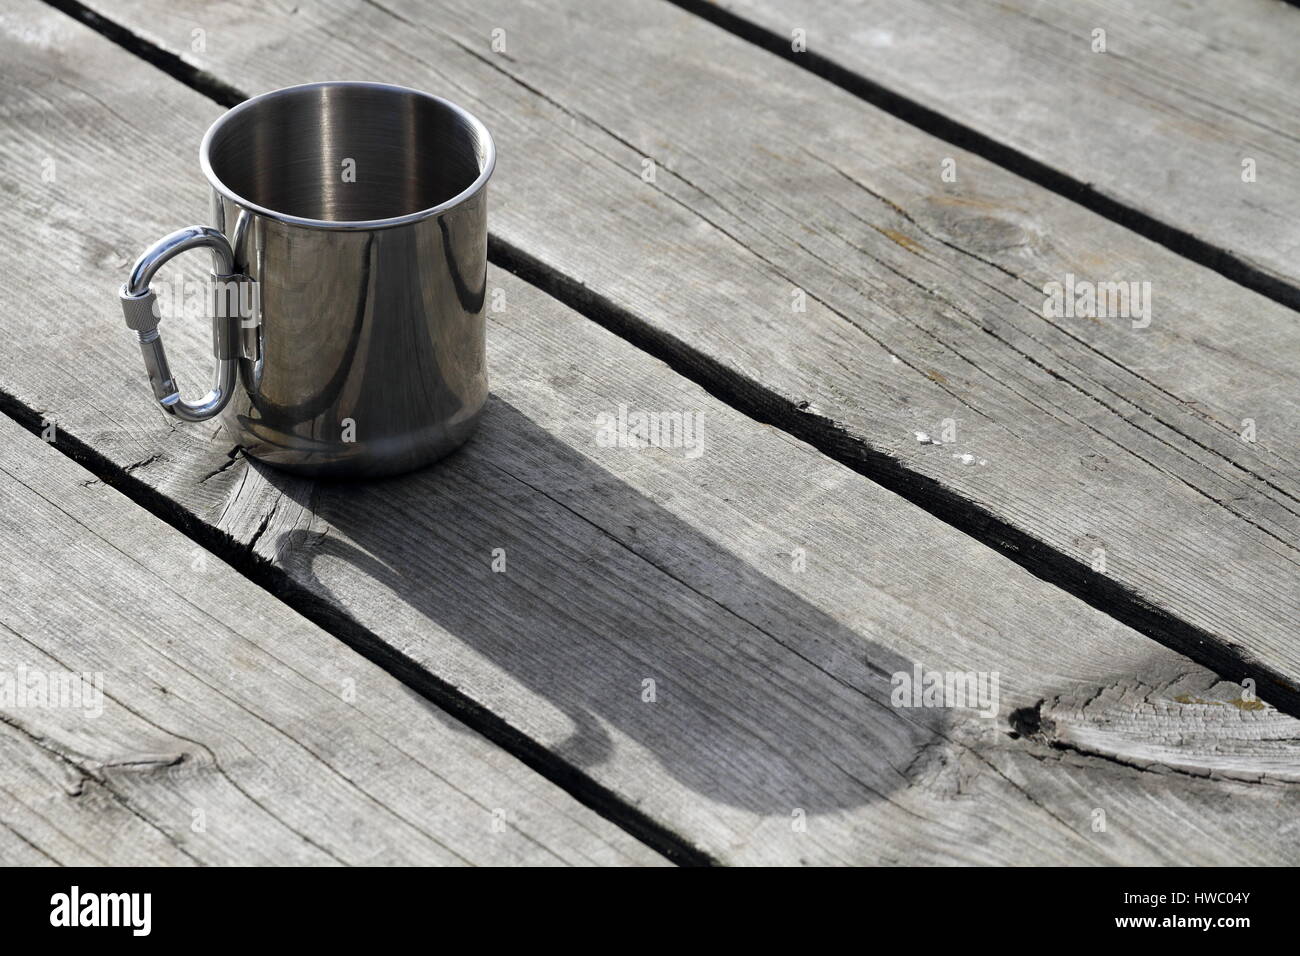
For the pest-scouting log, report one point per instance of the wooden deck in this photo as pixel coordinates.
(688, 658)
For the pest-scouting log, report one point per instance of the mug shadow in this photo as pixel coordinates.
(759, 699)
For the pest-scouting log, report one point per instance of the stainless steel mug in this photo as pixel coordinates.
(349, 238)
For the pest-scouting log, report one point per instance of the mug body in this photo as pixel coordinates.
(359, 210)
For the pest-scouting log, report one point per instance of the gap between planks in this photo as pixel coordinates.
(335, 621)
(1175, 239)
(750, 397)
(290, 747)
(488, 454)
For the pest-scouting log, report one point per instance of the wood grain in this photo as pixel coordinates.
(1160, 122)
(1185, 728)
(230, 730)
(771, 737)
(1074, 440)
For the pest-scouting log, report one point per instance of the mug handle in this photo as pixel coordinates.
(140, 308)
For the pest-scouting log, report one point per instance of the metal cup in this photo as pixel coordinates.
(349, 238)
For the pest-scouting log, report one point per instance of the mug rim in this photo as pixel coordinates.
(351, 224)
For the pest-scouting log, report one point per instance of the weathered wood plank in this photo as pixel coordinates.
(1162, 120)
(1075, 440)
(54, 813)
(230, 730)
(1192, 729)
(772, 684)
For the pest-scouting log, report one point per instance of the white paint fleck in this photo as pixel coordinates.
(924, 439)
